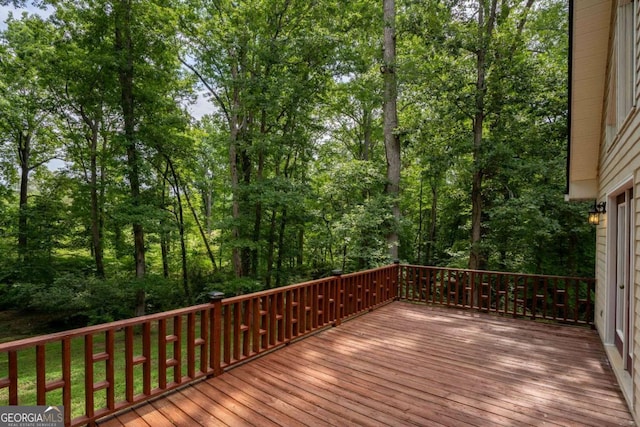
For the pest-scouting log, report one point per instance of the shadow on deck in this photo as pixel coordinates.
(405, 364)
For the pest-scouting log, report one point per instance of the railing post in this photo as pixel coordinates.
(339, 296)
(215, 298)
(396, 289)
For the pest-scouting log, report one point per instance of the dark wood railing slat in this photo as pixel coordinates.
(191, 350)
(41, 374)
(110, 368)
(129, 364)
(146, 353)
(88, 375)
(162, 354)
(66, 377)
(177, 350)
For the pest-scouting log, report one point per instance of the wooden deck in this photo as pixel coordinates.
(405, 364)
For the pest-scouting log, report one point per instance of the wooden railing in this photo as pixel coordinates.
(558, 298)
(126, 362)
(102, 369)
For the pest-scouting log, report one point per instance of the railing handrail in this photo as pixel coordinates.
(542, 276)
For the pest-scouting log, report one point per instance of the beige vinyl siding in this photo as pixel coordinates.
(637, 35)
(601, 277)
(625, 59)
(618, 162)
(618, 149)
(636, 290)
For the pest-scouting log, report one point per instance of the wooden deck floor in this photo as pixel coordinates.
(409, 365)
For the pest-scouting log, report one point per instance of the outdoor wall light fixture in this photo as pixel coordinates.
(595, 211)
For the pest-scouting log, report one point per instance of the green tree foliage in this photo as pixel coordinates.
(285, 177)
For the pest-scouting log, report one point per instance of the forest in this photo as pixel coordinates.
(154, 150)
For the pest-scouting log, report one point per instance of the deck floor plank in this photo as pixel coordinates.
(409, 365)
(451, 372)
(412, 389)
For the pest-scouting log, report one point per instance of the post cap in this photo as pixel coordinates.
(396, 261)
(215, 296)
(336, 272)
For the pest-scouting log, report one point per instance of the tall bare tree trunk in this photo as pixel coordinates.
(124, 48)
(257, 224)
(433, 224)
(24, 155)
(180, 218)
(391, 139)
(164, 234)
(96, 228)
(477, 257)
(204, 235)
(271, 248)
(234, 130)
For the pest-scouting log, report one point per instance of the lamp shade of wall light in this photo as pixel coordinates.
(595, 211)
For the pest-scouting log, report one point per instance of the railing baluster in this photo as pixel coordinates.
(273, 321)
(110, 368)
(88, 375)
(576, 302)
(191, 350)
(177, 349)
(238, 334)
(128, 351)
(41, 375)
(66, 378)
(339, 297)
(206, 331)
(146, 354)
(415, 290)
(162, 354)
(216, 334)
(227, 337)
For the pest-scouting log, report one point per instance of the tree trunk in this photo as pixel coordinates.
(433, 225)
(300, 252)
(207, 200)
(283, 225)
(245, 253)
(477, 256)
(391, 139)
(183, 246)
(124, 49)
(96, 209)
(257, 224)
(234, 128)
(164, 248)
(367, 123)
(164, 234)
(420, 220)
(24, 154)
(204, 236)
(271, 248)
(96, 233)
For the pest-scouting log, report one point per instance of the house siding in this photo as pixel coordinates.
(619, 161)
(637, 55)
(636, 313)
